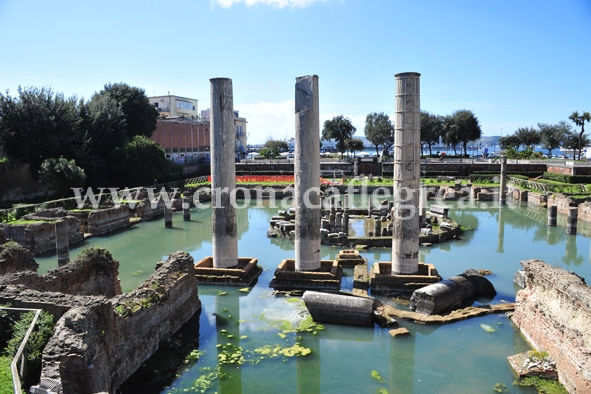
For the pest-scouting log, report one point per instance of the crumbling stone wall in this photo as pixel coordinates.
(554, 314)
(39, 237)
(144, 209)
(95, 348)
(16, 258)
(537, 199)
(584, 212)
(102, 221)
(94, 272)
(562, 202)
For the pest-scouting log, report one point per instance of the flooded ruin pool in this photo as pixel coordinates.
(255, 328)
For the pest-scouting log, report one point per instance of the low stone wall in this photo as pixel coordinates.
(39, 237)
(554, 314)
(145, 211)
(562, 202)
(15, 258)
(537, 199)
(94, 272)
(102, 221)
(584, 212)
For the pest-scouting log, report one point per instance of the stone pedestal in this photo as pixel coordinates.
(244, 274)
(168, 216)
(383, 281)
(186, 209)
(326, 278)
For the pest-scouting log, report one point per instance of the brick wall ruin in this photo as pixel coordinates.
(554, 314)
(102, 221)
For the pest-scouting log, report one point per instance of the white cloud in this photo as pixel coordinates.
(277, 120)
(272, 3)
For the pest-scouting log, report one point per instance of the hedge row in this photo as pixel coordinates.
(564, 178)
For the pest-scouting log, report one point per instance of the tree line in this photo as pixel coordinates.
(550, 136)
(459, 128)
(100, 142)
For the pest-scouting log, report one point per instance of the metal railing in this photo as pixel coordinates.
(21, 354)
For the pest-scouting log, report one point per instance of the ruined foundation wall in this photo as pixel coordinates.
(536, 198)
(40, 237)
(554, 314)
(96, 349)
(94, 272)
(562, 202)
(102, 221)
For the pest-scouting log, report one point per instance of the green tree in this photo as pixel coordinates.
(552, 135)
(354, 145)
(461, 127)
(432, 128)
(379, 130)
(138, 162)
(269, 153)
(140, 116)
(528, 136)
(580, 120)
(279, 144)
(339, 129)
(510, 141)
(38, 124)
(62, 173)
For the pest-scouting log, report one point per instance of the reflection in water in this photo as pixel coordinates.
(571, 255)
(402, 364)
(308, 368)
(501, 233)
(227, 314)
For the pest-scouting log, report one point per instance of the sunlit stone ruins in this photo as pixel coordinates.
(175, 325)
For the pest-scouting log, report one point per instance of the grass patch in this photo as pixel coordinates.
(5, 375)
(545, 386)
(21, 222)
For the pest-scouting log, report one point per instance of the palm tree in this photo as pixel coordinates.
(580, 120)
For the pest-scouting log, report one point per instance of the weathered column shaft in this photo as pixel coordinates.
(62, 243)
(571, 224)
(423, 202)
(338, 222)
(407, 173)
(168, 215)
(377, 227)
(307, 174)
(502, 187)
(370, 207)
(223, 174)
(552, 213)
(186, 209)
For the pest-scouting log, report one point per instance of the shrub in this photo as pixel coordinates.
(62, 173)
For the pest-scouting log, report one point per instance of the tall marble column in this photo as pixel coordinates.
(407, 173)
(223, 174)
(307, 174)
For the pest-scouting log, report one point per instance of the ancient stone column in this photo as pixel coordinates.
(346, 215)
(307, 174)
(61, 242)
(186, 209)
(552, 213)
(222, 135)
(502, 187)
(168, 215)
(407, 173)
(370, 208)
(377, 227)
(571, 223)
(338, 222)
(331, 216)
(423, 203)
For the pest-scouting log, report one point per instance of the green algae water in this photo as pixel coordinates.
(249, 341)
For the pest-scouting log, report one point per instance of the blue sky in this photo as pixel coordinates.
(514, 63)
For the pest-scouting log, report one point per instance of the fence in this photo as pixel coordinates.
(21, 354)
